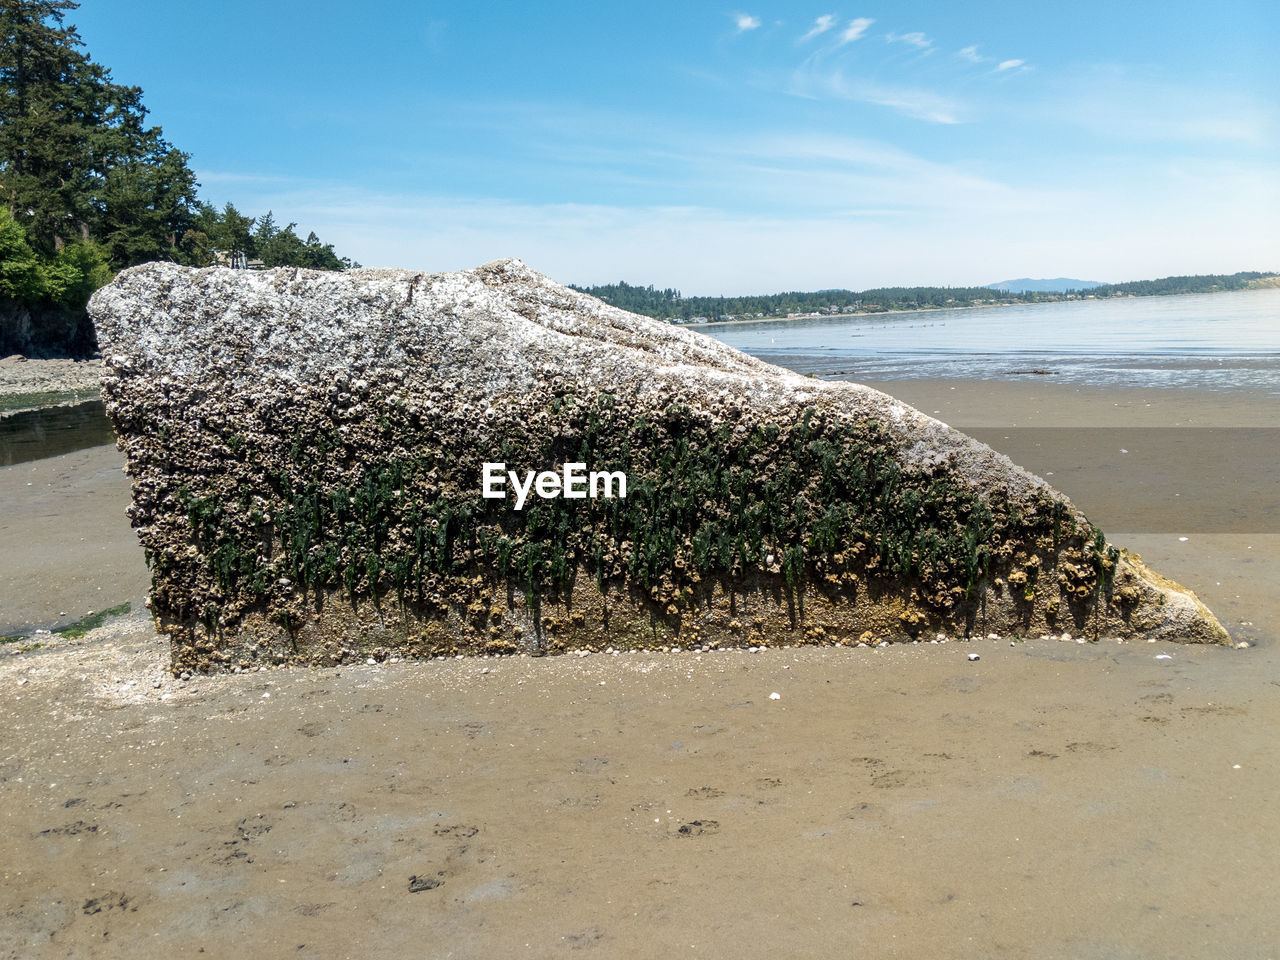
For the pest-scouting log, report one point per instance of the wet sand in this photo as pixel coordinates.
(69, 548)
(1051, 800)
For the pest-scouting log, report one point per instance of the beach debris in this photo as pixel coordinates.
(417, 884)
(697, 828)
(1164, 656)
(308, 452)
(775, 696)
(973, 657)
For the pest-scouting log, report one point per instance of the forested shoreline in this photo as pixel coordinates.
(669, 304)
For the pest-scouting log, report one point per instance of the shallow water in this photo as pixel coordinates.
(1206, 341)
(53, 431)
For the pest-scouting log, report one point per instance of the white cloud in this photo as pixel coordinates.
(821, 25)
(702, 250)
(921, 104)
(824, 212)
(1009, 64)
(774, 208)
(745, 22)
(856, 28)
(913, 101)
(814, 172)
(971, 54)
(914, 39)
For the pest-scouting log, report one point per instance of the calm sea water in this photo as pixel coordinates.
(55, 430)
(1213, 341)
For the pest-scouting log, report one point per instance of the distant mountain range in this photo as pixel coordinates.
(1056, 285)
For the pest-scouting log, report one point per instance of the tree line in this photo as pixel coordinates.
(88, 187)
(1166, 286)
(669, 304)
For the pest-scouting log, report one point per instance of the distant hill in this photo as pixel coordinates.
(1056, 285)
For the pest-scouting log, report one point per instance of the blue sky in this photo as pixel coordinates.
(737, 148)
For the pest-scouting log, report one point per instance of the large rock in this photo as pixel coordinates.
(307, 454)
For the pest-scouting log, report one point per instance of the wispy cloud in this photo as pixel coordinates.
(921, 104)
(835, 169)
(914, 102)
(809, 200)
(745, 22)
(1009, 65)
(856, 28)
(821, 25)
(971, 54)
(914, 39)
(827, 194)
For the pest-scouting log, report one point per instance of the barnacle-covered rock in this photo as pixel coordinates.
(308, 454)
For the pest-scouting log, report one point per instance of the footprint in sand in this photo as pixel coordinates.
(699, 828)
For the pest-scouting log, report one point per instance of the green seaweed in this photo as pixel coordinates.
(705, 500)
(92, 621)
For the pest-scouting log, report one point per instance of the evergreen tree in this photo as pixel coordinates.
(77, 160)
(87, 186)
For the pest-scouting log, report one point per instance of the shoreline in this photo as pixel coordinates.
(28, 384)
(977, 306)
(860, 314)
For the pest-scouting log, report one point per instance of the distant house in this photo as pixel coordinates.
(236, 260)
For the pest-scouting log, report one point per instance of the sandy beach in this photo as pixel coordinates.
(1050, 800)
